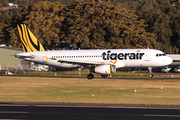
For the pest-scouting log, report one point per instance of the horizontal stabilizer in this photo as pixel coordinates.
(24, 56)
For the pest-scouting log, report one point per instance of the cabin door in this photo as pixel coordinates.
(147, 56)
(45, 58)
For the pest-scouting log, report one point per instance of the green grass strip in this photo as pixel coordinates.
(101, 91)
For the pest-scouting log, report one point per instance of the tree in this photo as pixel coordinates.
(41, 19)
(85, 24)
(90, 24)
(2, 39)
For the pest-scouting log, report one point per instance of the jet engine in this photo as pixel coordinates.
(105, 69)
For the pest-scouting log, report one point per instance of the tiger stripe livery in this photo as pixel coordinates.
(30, 42)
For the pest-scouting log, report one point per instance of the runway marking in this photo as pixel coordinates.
(13, 112)
(10, 119)
(154, 115)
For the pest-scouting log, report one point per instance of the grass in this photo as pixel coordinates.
(106, 91)
(83, 73)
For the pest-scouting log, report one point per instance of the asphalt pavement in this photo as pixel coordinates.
(34, 111)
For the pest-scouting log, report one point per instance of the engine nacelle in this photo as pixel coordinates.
(105, 69)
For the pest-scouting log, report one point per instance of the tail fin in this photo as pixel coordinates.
(30, 42)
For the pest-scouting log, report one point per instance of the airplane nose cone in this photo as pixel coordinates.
(169, 60)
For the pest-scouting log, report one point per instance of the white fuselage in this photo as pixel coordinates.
(118, 57)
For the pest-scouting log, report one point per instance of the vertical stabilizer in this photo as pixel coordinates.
(29, 41)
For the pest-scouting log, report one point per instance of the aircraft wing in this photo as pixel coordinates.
(79, 62)
(85, 63)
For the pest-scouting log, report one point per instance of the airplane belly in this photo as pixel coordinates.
(133, 63)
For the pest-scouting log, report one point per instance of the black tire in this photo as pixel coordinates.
(104, 75)
(150, 75)
(90, 76)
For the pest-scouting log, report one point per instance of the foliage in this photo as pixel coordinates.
(86, 24)
(89, 24)
(161, 18)
(102, 25)
(42, 20)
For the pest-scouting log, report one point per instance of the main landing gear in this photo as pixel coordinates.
(150, 72)
(90, 76)
(104, 75)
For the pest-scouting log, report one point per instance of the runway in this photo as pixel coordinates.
(87, 112)
(115, 78)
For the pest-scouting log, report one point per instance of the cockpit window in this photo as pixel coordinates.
(158, 55)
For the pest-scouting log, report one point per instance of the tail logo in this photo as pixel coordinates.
(29, 41)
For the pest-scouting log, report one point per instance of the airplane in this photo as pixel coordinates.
(102, 61)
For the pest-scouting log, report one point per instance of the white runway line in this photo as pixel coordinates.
(156, 115)
(13, 112)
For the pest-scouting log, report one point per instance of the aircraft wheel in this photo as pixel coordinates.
(150, 75)
(90, 76)
(104, 75)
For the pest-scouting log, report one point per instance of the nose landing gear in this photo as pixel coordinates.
(150, 72)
